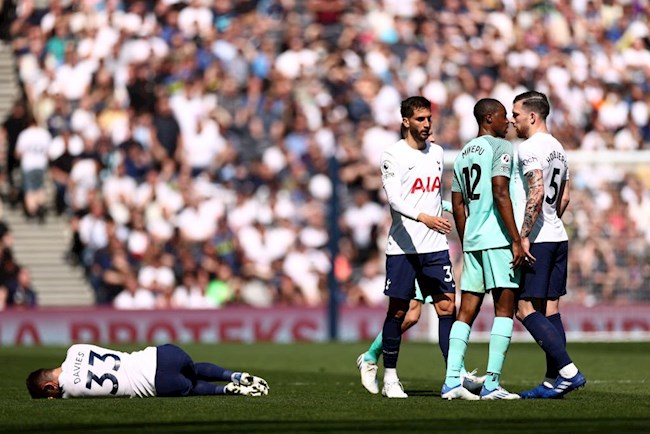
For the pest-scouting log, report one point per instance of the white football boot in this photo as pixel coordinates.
(473, 382)
(246, 379)
(458, 392)
(498, 393)
(368, 371)
(238, 389)
(393, 389)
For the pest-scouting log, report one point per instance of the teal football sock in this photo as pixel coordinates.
(458, 338)
(499, 343)
(373, 353)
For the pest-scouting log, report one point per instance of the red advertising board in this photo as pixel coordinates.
(107, 326)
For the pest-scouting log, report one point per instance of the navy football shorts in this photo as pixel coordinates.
(432, 271)
(547, 277)
(174, 371)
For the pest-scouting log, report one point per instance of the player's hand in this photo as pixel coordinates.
(439, 224)
(525, 244)
(518, 255)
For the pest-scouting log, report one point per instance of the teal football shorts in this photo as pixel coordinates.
(484, 270)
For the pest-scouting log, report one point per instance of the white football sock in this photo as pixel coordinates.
(390, 375)
(569, 371)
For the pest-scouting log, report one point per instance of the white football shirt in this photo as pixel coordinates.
(89, 370)
(544, 152)
(412, 180)
(32, 145)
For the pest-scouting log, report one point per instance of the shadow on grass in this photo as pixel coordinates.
(556, 426)
(416, 392)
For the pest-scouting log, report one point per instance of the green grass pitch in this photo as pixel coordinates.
(315, 388)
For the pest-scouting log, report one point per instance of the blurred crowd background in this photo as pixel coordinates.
(194, 146)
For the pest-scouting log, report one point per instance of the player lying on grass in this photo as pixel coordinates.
(166, 370)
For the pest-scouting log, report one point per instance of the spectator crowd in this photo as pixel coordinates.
(16, 288)
(193, 144)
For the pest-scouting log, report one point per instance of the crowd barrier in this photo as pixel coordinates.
(282, 325)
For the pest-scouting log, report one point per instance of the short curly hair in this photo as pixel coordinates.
(36, 384)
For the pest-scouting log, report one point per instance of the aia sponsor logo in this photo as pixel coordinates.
(427, 184)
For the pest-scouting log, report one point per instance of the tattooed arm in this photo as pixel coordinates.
(533, 208)
(534, 201)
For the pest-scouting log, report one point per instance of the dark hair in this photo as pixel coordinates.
(484, 107)
(35, 382)
(534, 101)
(412, 103)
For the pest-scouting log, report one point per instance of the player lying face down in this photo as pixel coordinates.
(165, 370)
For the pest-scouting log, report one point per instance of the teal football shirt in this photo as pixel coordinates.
(481, 159)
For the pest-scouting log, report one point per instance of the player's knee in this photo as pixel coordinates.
(446, 307)
(398, 314)
(466, 315)
(520, 315)
(410, 320)
(506, 312)
(397, 309)
(399, 320)
(524, 308)
(552, 307)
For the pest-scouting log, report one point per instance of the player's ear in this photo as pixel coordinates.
(51, 388)
(404, 128)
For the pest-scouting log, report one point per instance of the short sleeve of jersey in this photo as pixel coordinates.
(528, 159)
(503, 155)
(455, 184)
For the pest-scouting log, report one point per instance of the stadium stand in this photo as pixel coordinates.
(192, 141)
